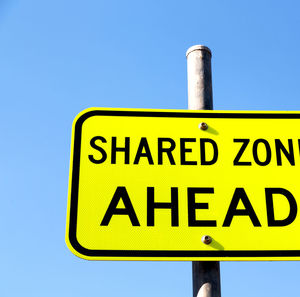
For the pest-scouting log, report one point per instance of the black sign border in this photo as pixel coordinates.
(156, 253)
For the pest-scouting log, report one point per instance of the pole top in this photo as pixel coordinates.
(198, 48)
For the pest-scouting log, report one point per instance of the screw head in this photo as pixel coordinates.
(206, 239)
(203, 126)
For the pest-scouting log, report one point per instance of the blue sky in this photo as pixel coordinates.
(60, 57)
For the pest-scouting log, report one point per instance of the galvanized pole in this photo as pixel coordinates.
(206, 274)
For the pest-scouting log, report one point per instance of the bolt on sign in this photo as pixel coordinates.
(184, 185)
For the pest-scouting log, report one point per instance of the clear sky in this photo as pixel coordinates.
(60, 57)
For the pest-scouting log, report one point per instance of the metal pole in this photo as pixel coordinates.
(206, 274)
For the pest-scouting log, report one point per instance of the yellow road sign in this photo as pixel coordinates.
(149, 184)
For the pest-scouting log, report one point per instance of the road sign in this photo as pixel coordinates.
(149, 184)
